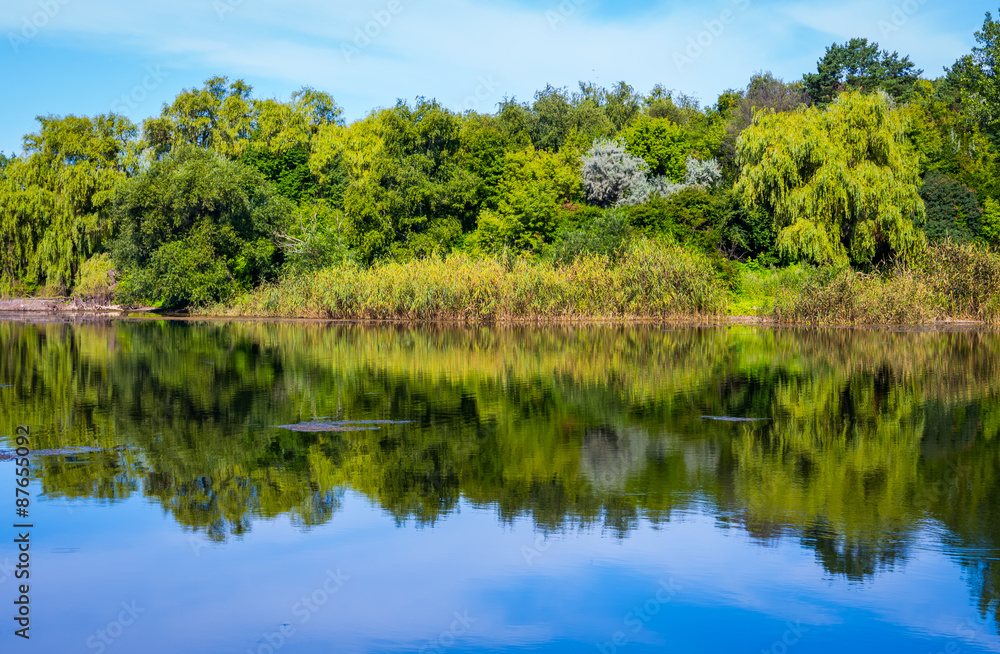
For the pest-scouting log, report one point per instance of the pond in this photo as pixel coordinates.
(303, 487)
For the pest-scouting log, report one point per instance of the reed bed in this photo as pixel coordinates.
(949, 283)
(649, 279)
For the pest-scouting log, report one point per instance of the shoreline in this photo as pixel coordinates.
(39, 310)
(57, 305)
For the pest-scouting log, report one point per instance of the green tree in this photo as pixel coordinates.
(841, 183)
(551, 123)
(516, 121)
(947, 140)
(558, 120)
(196, 228)
(991, 222)
(622, 105)
(764, 92)
(288, 170)
(408, 189)
(484, 145)
(858, 65)
(677, 107)
(224, 116)
(977, 76)
(217, 116)
(588, 121)
(691, 216)
(535, 186)
(747, 232)
(316, 239)
(53, 200)
(952, 210)
(282, 139)
(663, 145)
(281, 126)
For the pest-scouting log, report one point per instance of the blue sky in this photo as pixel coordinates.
(94, 56)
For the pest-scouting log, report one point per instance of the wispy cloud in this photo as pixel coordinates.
(369, 53)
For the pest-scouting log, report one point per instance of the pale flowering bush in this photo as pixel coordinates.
(614, 177)
(609, 172)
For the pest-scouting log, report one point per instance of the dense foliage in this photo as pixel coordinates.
(953, 212)
(858, 65)
(196, 228)
(841, 183)
(859, 162)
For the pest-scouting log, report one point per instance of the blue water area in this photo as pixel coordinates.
(351, 488)
(365, 583)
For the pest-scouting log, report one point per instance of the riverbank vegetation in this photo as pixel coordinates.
(863, 192)
(646, 280)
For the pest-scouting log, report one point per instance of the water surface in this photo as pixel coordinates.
(264, 487)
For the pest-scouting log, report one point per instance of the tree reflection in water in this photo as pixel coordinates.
(862, 436)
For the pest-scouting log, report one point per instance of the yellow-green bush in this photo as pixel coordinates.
(845, 296)
(96, 281)
(967, 277)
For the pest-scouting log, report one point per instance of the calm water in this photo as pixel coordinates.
(262, 487)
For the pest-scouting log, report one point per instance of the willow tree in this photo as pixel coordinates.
(841, 182)
(53, 200)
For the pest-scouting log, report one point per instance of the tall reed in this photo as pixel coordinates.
(648, 280)
(950, 282)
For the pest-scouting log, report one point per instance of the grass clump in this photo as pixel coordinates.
(967, 279)
(757, 286)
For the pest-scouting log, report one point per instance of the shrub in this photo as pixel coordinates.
(957, 281)
(535, 187)
(613, 176)
(196, 228)
(691, 216)
(648, 189)
(609, 172)
(317, 239)
(831, 295)
(649, 279)
(953, 212)
(96, 279)
(702, 173)
(991, 222)
(663, 145)
(748, 232)
(967, 278)
(181, 273)
(608, 234)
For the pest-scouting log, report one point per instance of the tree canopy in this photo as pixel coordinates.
(859, 65)
(976, 73)
(52, 199)
(841, 182)
(196, 228)
(824, 168)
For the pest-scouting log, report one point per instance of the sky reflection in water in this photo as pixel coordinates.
(523, 491)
